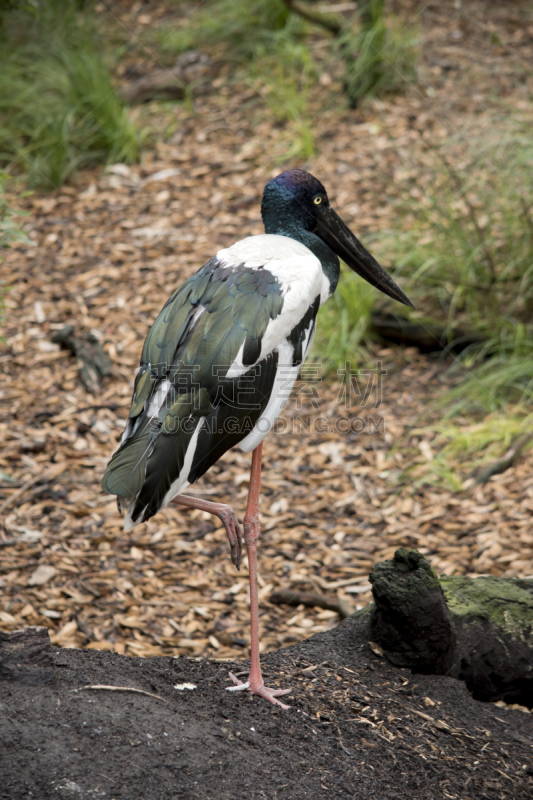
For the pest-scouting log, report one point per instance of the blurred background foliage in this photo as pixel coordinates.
(463, 246)
(59, 110)
(466, 252)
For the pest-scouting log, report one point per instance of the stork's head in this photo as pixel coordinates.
(296, 200)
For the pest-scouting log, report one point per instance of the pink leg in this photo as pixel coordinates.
(224, 513)
(255, 683)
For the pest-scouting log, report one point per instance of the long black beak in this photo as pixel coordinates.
(347, 246)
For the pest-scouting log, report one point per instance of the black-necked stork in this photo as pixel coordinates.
(219, 362)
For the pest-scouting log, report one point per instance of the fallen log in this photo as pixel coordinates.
(427, 336)
(479, 630)
(193, 70)
(331, 22)
(288, 597)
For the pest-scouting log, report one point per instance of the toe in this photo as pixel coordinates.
(270, 694)
(234, 679)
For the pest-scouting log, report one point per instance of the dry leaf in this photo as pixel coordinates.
(41, 575)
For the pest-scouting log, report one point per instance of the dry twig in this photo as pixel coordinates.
(497, 467)
(290, 598)
(120, 689)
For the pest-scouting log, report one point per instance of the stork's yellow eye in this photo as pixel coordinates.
(317, 200)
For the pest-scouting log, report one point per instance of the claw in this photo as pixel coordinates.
(262, 691)
(240, 686)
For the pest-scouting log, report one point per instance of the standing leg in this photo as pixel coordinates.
(224, 513)
(255, 683)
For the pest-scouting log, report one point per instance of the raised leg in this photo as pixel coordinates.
(255, 683)
(224, 513)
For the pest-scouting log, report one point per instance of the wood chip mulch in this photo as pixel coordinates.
(109, 248)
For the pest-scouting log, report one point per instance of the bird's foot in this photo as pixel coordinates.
(233, 532)
(258, 688)
(227, 516)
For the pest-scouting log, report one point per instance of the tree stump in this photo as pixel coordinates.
(479, 630)
(411, 620)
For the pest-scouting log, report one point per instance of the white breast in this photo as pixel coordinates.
(291, 262)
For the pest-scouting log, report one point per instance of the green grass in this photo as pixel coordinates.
(10, 233)
(269, 43)
(466, 259)
(379, 53)
(58, 107)
(282, 71)
(242, 25)
(505, 377)
(343, 324)
(10, 229)
(464, 445)
(466, 255)
(470, 249)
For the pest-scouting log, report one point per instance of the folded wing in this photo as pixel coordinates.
(186, 412)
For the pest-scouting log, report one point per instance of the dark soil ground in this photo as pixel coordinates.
(357, 728)
(107, 250)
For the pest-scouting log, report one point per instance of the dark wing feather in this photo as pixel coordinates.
(228, 424)
(192, 343)
(298, 334)
(125, 474)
